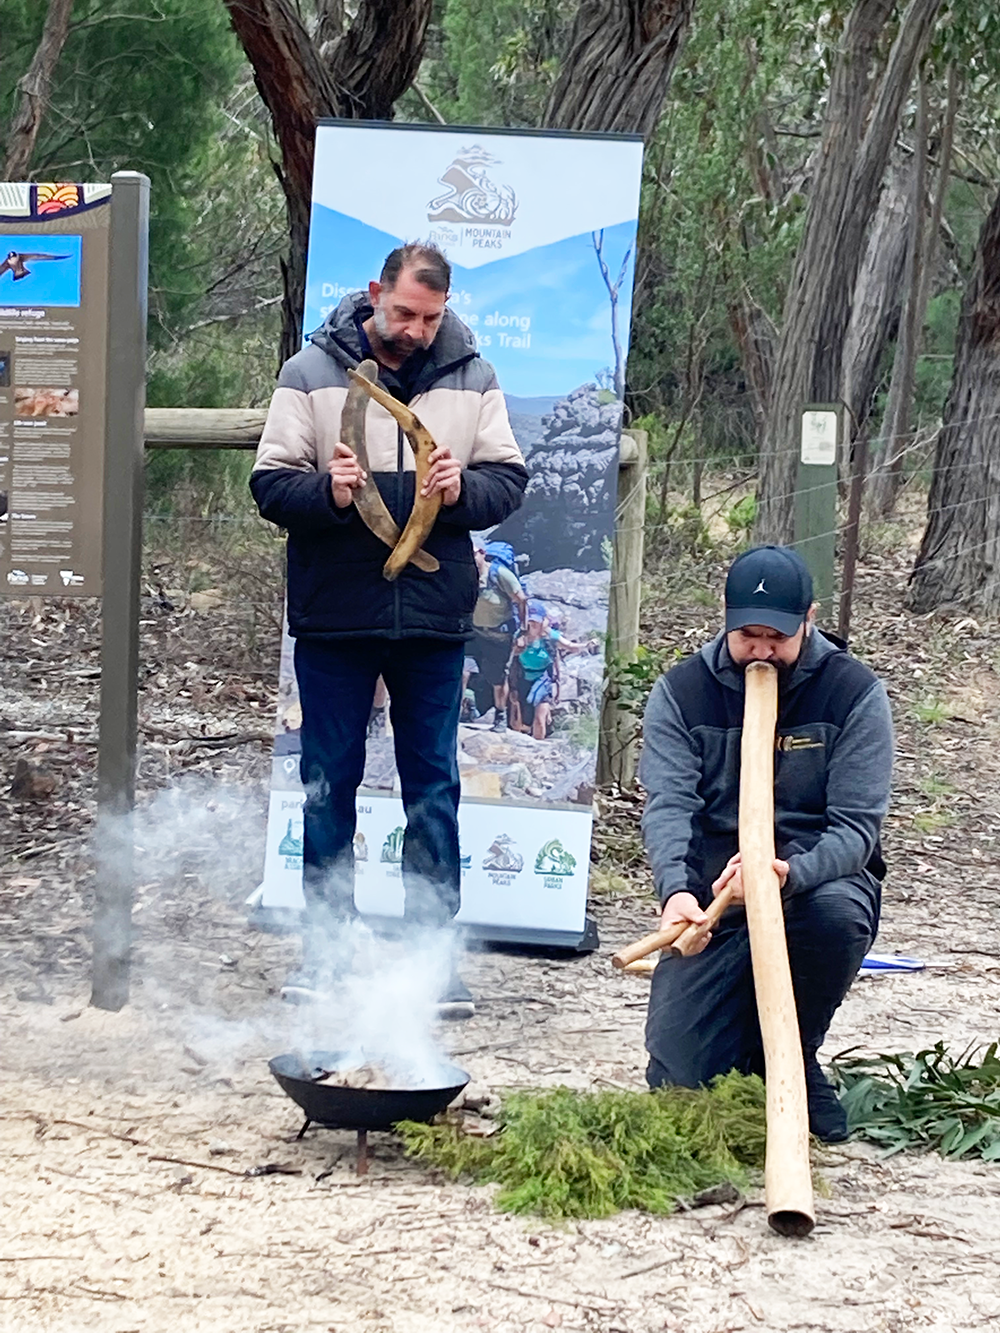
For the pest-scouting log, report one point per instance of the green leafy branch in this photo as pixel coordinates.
(562, 1153)
(931, 1101)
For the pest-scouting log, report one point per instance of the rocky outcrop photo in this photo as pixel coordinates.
(510, 765)
(571, 454)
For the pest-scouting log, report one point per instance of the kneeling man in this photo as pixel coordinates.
(833, 764)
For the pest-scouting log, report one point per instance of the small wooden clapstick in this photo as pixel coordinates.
(678, 938)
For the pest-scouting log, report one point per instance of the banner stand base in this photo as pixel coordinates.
(287, 921)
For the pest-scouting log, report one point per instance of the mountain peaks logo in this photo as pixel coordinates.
(503, 856)
(471, 195)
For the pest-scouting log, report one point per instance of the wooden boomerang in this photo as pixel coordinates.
(425, 507)
(367, 499)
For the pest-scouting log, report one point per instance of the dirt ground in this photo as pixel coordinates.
(125, 1138)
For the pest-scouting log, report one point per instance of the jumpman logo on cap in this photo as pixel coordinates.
(760, 588)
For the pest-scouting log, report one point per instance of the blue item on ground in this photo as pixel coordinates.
(878, 962)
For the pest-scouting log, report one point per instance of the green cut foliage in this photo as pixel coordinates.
(562, 1153)
(931, 1101)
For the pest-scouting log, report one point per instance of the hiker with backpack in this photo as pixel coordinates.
(534, 673)
(501, 611)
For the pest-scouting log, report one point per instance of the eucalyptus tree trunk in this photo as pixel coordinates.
(356, 73)
(875, 308)
(896, 425)
(898, 413)
(33, 91)
(859, 126)
(617, 67)
(959, 560)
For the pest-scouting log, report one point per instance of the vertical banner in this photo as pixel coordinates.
(540, 230)
(53, 347)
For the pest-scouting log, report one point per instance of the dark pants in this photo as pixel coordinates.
(702, 1018)
(336, 683)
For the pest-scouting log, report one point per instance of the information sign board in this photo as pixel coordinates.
(53, 354)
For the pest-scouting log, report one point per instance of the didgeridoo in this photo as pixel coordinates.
(678, 938)
(788, 1192)
(367, 500)
(425, 507)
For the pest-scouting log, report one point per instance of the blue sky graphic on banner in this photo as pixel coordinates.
(552, 301)
(39, 270)
(540, 231)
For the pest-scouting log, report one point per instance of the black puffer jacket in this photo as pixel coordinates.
(335, 583)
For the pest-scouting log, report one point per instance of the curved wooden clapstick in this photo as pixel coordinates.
(425, 507)
(678, 938)
(787, 1176)
(367, 500)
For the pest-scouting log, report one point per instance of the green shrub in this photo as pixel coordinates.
(569, 1154)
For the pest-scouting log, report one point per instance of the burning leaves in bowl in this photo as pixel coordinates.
(372, 1076)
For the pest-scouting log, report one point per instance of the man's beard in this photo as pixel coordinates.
(401, 345)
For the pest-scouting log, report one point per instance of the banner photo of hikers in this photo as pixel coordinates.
(540, 232)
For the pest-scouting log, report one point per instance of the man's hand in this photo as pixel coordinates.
(346, 475)
(733, 876)
(684, 907)
(445, 475)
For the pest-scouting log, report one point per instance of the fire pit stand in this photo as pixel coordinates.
(358, 1109)
(361, 1161)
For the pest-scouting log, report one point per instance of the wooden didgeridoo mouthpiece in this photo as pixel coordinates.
(678, 938)
(788, 1192)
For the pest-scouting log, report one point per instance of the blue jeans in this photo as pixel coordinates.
(336, 681)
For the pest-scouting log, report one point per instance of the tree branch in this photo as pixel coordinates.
(33, 89)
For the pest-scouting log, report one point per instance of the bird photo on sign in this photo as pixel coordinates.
(37, 270)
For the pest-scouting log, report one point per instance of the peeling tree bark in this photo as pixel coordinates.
(958, 565)
(896, 427)
(896, 422)
(875, 308)
(616, 71)
(33, 91)
(859, 126)
(357, 74)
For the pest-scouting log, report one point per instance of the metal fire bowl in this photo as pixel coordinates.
(358, 1108)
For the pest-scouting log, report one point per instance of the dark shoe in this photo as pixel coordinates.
(499, 719)
(456, 1000)
(827, 1118)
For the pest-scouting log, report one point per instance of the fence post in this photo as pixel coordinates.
(123, 484)
(617, 746)
(816, 499)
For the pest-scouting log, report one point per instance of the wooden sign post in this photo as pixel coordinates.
(123, 489)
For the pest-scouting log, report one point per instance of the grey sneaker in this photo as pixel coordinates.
(456, 1000)
(499, 719)
(302, 987)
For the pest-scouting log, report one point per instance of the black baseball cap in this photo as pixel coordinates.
(768, 585)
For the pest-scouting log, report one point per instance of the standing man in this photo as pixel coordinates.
(833, 764)
(350, 624)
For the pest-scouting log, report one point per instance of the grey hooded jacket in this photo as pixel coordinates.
(833, 765)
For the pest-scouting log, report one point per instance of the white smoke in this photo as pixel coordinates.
(378, 1002)
(377, 998)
